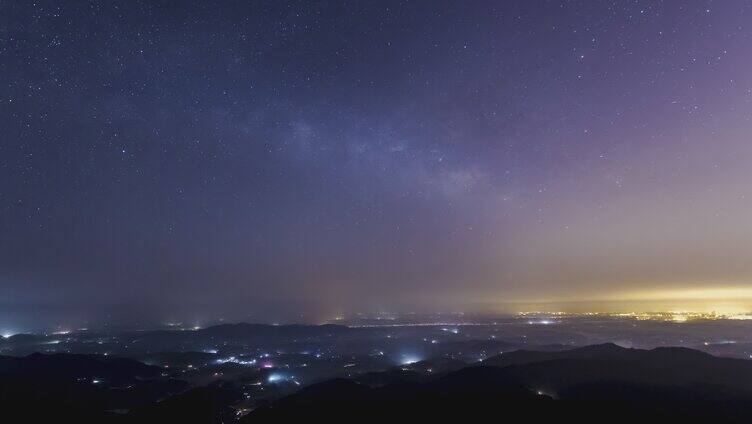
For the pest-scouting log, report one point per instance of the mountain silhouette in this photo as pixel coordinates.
(600, 383)
(77, 388)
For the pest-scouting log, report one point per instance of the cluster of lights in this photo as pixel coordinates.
(279, 378)
(667, 316)
(674, 316)
(542, 322)
(234, 360)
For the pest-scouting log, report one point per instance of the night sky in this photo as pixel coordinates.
(297, 160)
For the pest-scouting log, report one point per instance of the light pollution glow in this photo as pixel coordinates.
(382, 162)
(727, 301)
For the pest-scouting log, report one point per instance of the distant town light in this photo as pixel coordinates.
(542, 322)
(409, 359)
(235, 360)
(276, 378)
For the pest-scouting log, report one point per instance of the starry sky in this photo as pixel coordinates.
(296, 160)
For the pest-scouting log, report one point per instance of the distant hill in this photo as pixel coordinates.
(599, 351)
(246, 329)
(664, 365)
(240, 333)
(176, 358)
(76, 367)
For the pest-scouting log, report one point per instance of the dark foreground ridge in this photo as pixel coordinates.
(599, 383)
(602, 383)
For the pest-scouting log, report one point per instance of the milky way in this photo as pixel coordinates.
(296, 160)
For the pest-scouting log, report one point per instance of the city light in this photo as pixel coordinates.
(235, 360)
(278, 378)
(409, 359)
(273, 378)
(542, 322)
